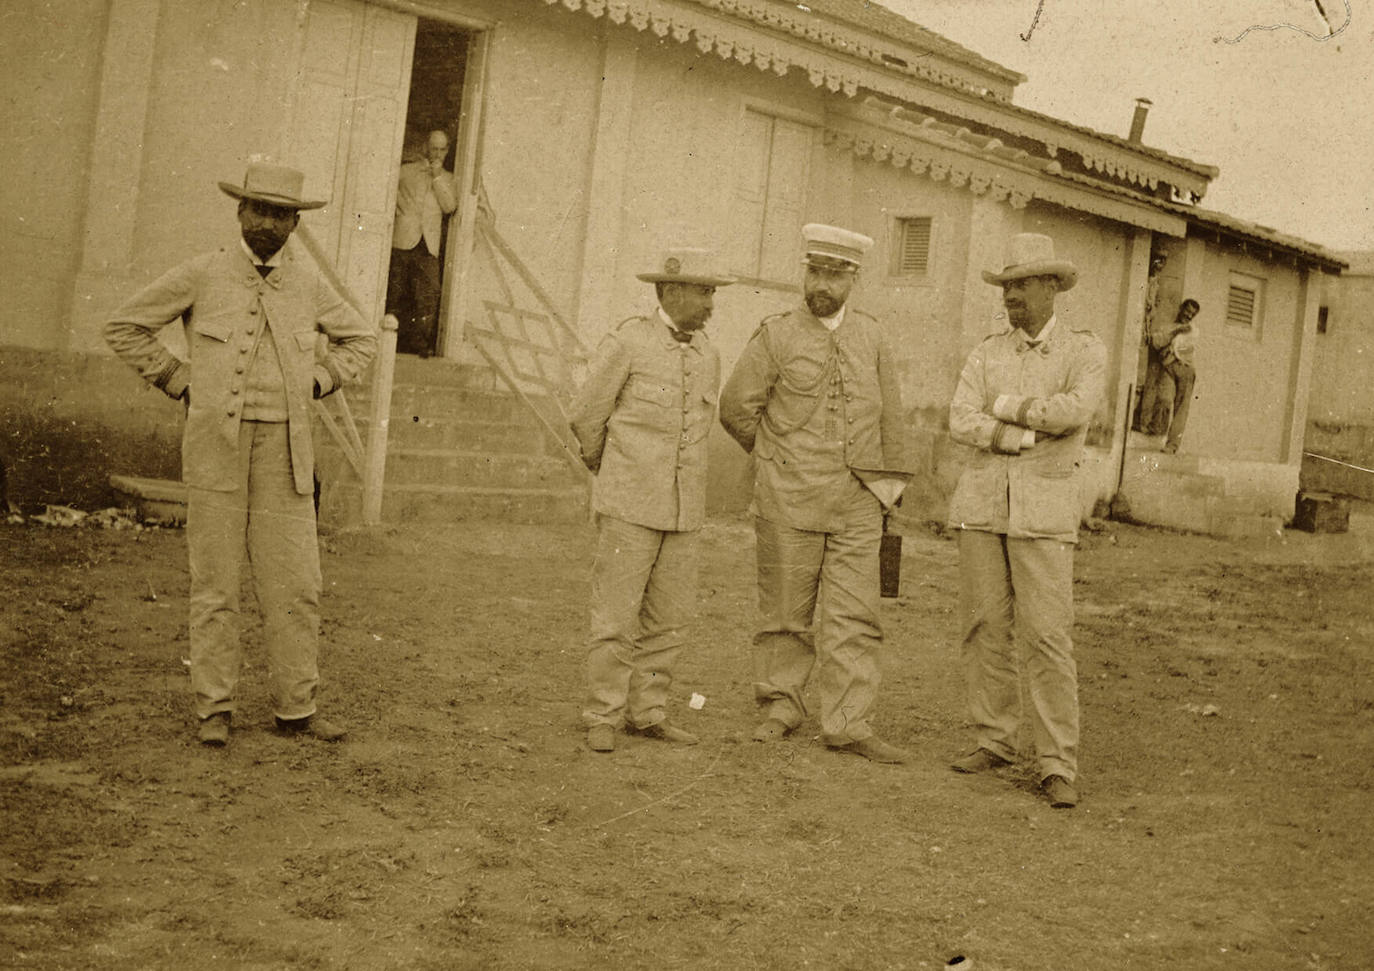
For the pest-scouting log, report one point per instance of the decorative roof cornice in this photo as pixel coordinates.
(869, 30)
(1138, 164)
(983, 165)
(777, 37)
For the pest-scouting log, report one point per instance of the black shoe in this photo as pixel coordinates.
(979, 760)
(665, 732)
(312, 725)
(771, 730)
(601, 738)
(214, 731)
(1060, 792)
(874, 749)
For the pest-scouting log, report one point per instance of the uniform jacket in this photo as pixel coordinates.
(1055, 388)
(642, 419)
(422, 201)
(222, 303)
(814, 406)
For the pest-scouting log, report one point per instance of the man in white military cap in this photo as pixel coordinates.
(251, 311)
(1023, 403)
(641, 420)
(815, 399)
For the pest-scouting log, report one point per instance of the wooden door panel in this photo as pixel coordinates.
(348, 122)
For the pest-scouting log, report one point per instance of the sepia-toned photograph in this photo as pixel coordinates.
(687, 484)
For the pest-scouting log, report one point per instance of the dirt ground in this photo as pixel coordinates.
(1228, 713)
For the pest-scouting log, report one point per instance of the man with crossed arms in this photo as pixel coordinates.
(1024, 401)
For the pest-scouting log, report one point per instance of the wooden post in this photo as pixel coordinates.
(374, 468)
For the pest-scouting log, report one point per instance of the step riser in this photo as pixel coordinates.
(344, 503)
(430, 402)
(1159, 510)
(453, 429)
(402, 507)
(488, 471)
(505, 438)
(413, 370)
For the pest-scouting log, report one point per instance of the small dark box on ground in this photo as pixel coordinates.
(890, 564)
(1321, 512)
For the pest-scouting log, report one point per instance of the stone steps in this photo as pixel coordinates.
(1171, 491)
(499, 437)
(431, 503)
(477, 468)
(459, 446)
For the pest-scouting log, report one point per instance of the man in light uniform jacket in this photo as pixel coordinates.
(815, 399)
(252, 312)
(1024, 401)
(641, 420)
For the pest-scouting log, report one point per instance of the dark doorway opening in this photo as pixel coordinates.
(428, 190)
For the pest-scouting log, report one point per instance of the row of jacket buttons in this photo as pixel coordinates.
(236, 389)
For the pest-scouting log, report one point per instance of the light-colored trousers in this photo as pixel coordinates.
(830, 578)
(265, 521)
(1016, 600)
(644, 584)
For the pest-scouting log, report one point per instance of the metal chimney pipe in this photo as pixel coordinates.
(1142, 108)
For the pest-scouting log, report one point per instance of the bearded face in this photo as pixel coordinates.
(266, 227)
(825, 289)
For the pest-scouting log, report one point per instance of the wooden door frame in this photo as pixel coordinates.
(462, 232)
(467, 161)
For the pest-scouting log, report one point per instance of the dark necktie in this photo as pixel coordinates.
(263, 270)
(682, 336)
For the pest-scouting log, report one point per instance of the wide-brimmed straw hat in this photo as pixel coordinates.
(689, 265)
(277, 184)
(1032, 254)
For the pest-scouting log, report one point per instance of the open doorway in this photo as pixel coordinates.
(429, 189)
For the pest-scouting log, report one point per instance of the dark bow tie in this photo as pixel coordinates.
(263, 269)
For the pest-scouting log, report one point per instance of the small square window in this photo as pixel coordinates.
(911, 246)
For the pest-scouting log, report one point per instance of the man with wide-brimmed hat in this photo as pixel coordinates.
(252, 311)
(1024, 401)
(815, 399)
(641, 419)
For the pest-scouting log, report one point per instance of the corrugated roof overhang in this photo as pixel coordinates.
(1253, 235)
(942, 152)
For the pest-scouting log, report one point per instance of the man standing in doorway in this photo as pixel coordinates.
(1024, 401)
(1176, 360)
(252, 312)
(815, 399)
(641, 420)
(426, 194)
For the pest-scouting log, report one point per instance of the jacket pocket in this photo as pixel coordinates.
(1046, 504)
(215, 328)
(652, 392)
(803, 375)
(980, 498)
(651, 404)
